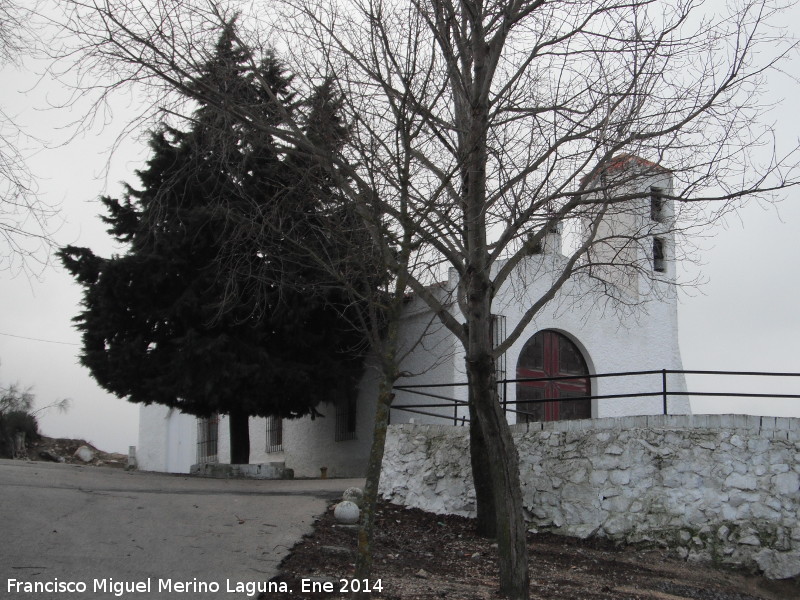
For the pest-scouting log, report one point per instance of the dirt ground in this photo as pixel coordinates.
(424, 556)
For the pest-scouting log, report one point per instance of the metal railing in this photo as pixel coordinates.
(662, 391)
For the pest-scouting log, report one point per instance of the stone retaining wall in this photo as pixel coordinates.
(724, 488)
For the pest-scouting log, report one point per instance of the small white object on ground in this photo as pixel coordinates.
(346, 512)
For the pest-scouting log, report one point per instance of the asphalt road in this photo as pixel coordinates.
(95, 532)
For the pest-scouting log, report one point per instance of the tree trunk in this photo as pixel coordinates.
(500, 451)
(503, 460)
(486, 523)
(370, 499)
(240, 437)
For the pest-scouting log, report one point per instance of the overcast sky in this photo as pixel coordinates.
(744, 318)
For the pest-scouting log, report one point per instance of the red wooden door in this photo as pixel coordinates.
(551, 354)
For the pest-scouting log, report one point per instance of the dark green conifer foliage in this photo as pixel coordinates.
(164, 323)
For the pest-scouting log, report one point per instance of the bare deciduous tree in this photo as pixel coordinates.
(24, 215)
(480, 126)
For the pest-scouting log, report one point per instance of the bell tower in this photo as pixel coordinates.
(630, 214)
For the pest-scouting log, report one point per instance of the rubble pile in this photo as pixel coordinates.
(79, 452)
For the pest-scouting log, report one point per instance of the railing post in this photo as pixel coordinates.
(505, 396)
(664, 388)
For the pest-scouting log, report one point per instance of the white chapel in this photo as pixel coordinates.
(572, 357)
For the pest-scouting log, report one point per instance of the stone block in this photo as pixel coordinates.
(729, 512)
(726, 421)
(616, 505)
(84, 453)
(606, 423)
(680, 421)
(657, 450)
(778, 565)
(739, 467)
(579, 475)
(768, 423)
(762, 511)
(723, 532)
(582, 531)
(627, 423)
(700, 421)
(786, 483)
(750, 540)
(598, 477)
(692, 481)
(616, 525)
(741, 482)
(620, 477)
(747, 422)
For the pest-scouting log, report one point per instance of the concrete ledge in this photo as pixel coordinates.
(771, 427)
(274, 470)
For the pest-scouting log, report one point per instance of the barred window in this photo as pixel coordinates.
(274, 434)
(207, 439)
(498, 337)
(346, 419)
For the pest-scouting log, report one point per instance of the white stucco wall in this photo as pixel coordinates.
(310, 444)
(644, 339)
(258, 443)
(430, 355)
(641, 338)
(167, 439)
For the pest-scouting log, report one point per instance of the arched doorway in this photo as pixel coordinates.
(551, 354)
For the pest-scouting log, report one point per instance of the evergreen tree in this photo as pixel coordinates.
(165, 323)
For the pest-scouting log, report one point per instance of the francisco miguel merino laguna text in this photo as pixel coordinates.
(149, 585)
